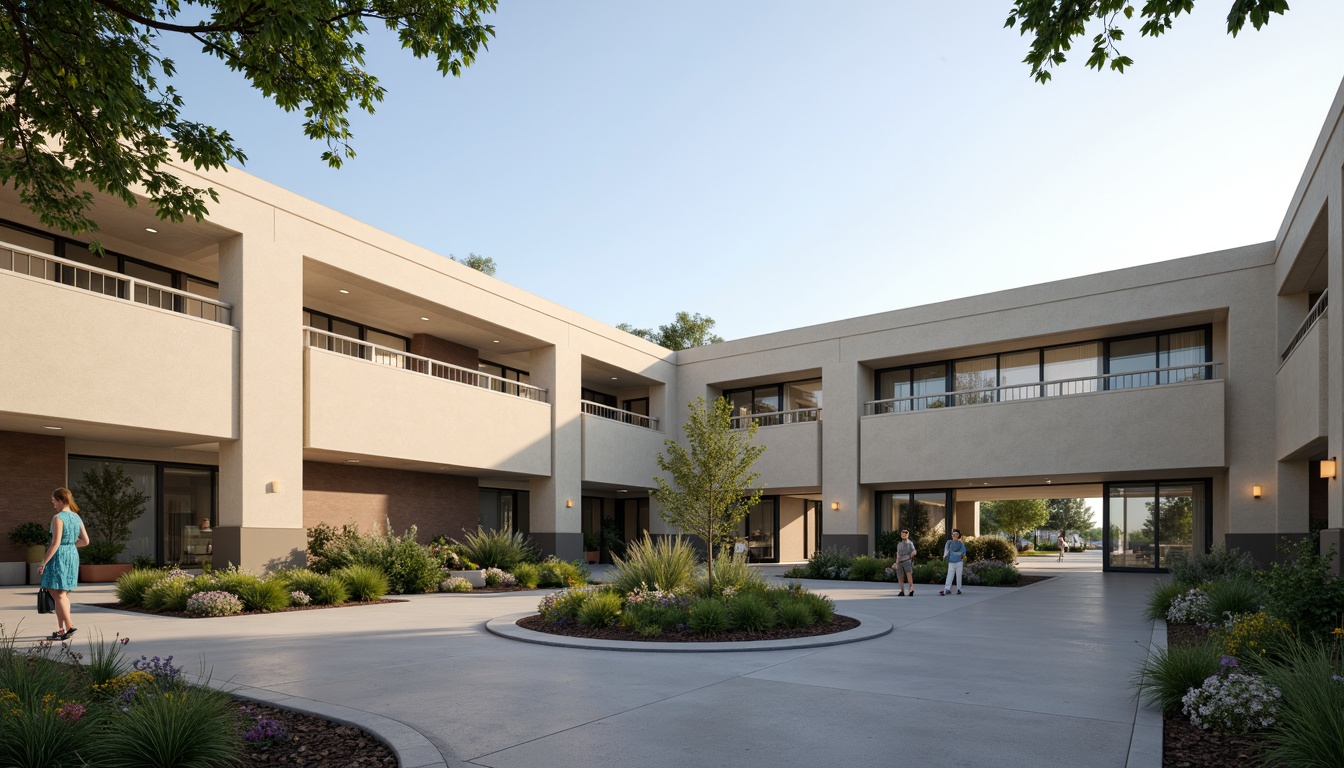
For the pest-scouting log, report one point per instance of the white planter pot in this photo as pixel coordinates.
(13, 574)
(476, 578)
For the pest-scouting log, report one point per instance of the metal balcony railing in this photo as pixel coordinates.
(775, 418)
(1316, 313)
(616, 414)
(22, 261)
(395, 358)
(1152, 377)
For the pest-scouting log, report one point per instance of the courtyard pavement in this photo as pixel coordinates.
(996, 676)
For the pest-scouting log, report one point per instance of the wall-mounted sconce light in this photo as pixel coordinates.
(1328, 468)
(273, 486)
(1256, 491)
(569, 503)
(835, 505)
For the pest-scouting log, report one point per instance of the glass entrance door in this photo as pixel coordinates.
(1147, 526)
(188, 515)
(761, 530)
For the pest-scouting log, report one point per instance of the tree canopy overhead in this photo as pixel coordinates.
(87, 102)
(685, 331)
(1054, 25)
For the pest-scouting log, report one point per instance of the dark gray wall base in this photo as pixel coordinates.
(1333, 537)
(854, 543)
(566, 546)
(1262, 546)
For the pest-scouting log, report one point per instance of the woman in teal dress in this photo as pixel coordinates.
(60, 565)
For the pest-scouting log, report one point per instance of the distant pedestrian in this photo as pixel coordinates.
(1063, 545)
(954, 552)
(905, 563)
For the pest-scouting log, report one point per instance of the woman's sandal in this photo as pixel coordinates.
(66, 635)
(57, 635)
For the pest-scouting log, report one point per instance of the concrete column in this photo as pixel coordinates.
(846, 386)
(966, 518)
(555, 528)
(1335, 344)
(261, 473)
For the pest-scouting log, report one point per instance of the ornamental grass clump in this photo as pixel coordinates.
(751, 613)
(829, 563)
(671, 562)
(600, 610)
(1310, 728)
(1169, 673)
(527, 575)
(554, 572)
(1232, 702)
(362, 583)
(502, 549)
(868, 569)
(262, 596)
(708, 616)
(214, 603)
(1160, 596)
(132, 585)
(795, 612)
(563, 606)
(1234, 596)
(169, 594)
(732, 574)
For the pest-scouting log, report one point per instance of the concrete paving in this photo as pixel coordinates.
(995, 676)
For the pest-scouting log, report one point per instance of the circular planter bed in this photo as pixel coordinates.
(536, 624)
(312, 741)
(184, 615)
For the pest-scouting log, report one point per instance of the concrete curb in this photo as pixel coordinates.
(410, 746)
(869, 628)
(1145, 746)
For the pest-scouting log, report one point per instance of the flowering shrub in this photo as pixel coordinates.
(990, 573)
(455, 584)
(1232, 702)
(299, 597)
(642, 595)
(495, 577)
(70, 711)
(161, 670)
(264, 730)
(564, 604)
(214, 603)
(1190, 608)
(1252, 633)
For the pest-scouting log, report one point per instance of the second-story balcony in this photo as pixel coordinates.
(792, 441)
(1302, 403)
(85, 344)
(619, 447)
(1165, 418)
(366, 399)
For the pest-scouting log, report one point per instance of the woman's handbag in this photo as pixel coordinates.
(45, 602)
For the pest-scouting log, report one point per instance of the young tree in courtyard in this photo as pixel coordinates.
(712, 486)
(1017, 515)
(477, 262)
(1068, 515)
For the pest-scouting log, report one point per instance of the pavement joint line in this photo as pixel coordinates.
(628, 710)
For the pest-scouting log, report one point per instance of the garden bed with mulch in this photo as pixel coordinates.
(1186, 745)
(536, 624)
(313, 742)
(184, 615)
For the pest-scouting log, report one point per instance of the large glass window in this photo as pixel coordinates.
(1076, 361)
(177, 522)
(1019, 373)
(923, 513)
(1184, 352)
(804, 397)
(926, 382)
(977, 377)
(1131, 363)
(83, 474)
(1152, 525)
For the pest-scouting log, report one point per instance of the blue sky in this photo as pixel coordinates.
(775, 164)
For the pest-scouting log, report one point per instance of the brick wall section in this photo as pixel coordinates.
(31, 467)
(444, 351)
(338, 494)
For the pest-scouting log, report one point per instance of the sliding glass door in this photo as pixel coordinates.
(1150, 525)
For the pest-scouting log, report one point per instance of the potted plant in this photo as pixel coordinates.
(592, 546)
(32, 537)
(109, 504)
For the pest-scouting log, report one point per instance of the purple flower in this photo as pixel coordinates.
(1228, 661)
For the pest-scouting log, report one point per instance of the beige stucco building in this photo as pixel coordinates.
(281, 365)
